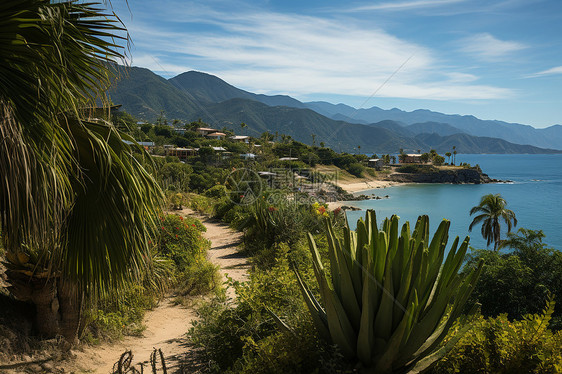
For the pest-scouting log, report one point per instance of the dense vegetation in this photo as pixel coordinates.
(88, 248)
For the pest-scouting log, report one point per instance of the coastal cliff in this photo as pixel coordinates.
(453, 176)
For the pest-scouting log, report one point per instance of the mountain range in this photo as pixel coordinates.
(195, 95)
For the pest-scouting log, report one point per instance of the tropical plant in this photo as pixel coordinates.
(75, 201)
(501, 345)
(454, 154)
(518, 281)
(390, 300)
(491, 209)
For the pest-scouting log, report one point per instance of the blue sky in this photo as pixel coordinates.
(495, 59)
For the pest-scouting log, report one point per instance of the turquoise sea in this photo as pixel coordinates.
(535, 195)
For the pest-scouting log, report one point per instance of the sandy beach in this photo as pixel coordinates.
(353, 187)
(357, 187)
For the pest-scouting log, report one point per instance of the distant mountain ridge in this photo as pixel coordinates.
(211, 89)
(550, 137)
(193, 95)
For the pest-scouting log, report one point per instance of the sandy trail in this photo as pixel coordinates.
(168, 324)
(223, 252)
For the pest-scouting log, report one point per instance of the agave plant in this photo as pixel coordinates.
(389, 299)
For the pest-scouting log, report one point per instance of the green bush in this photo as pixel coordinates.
(180, 240)
(244, 337)
(278, 218)
(200, 203)
(198, 278)
(356, 169)
(119, 314)
(219, 191)
(498, 345)
(518, 282)
(415, 169)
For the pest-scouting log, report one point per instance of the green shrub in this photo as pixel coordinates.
(219, 191)
(119, 314)
(498, 345)
(180, 240)
(356, 169)
(201, 203)
(244, 338)
(281, 218)
(198, 278)
(518, 282)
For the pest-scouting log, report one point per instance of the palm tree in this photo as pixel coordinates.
(74, 200)
(454, 154)
(492, 208)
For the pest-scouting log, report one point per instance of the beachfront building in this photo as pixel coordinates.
(376, 163)
(413, 158)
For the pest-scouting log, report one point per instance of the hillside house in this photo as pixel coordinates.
(288, 159)
(248, 156)
(146, 145)
(216, 135)
(181, 153)
(240, 138)
(205, 130)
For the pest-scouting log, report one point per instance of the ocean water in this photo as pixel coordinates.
(535, 195)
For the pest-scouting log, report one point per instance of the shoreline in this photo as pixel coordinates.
(358, 187)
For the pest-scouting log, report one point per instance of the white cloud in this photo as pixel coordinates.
(392, 6)
(156, 65)
(487, 47)
(551, 71)
(293, 54)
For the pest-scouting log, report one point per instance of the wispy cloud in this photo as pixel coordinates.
(269, 52)
(157, 65)
(487, 47)
(551, 71)
(398, 6)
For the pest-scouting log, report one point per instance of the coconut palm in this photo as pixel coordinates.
(492, 209)
(74, 200)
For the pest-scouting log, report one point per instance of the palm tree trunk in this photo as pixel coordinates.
(42, 293)
(47, 308)
(70, 304)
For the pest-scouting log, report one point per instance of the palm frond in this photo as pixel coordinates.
(116, 204)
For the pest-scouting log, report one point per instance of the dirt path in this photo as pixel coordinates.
(168, 324)
(223, 252)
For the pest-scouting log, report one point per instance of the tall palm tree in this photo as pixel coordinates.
(492, 209)
(74, 199)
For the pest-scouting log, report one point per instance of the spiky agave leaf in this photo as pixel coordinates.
(409, 297)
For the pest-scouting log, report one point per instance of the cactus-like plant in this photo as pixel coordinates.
(390, 300)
